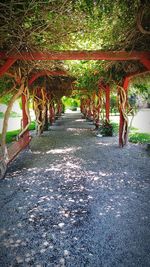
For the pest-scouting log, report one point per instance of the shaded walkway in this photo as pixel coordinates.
(76, 200)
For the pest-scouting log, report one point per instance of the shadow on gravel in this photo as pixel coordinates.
(76, 200)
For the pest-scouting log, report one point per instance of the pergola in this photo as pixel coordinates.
(141, 56)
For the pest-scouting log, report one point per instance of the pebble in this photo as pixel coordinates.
(66, 253)
(62, 262)
(61, 225)
(44, 235)
(42, 250)
(45, 243)
(19, 259)
(27, 259)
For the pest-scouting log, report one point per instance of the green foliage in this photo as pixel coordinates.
(71, 102)
(87, 72)
(81, 24)
(139, 89)
(5, 85)
(5, 99)
(142, 138)
(113, 104)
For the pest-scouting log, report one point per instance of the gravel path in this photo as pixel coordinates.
(76, 200)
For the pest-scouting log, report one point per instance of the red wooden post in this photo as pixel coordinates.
(51, 113)
(107, 105)
(86, 108)
(81, 105)
(122, 120)
(24, 116)
(46, 119)
(59, 108)
(93, 106)
(89, 109)
(98, 109)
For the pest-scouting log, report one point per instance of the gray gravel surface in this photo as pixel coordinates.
(74, 199)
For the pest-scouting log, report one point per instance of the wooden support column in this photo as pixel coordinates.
(81, 105)
(59, 108)
(86, 108)
(51, 114)
(24, 117)
(98, 109)
(93, 106)
(46, 119)
(107, 105)
(89, 109)
(122, 120)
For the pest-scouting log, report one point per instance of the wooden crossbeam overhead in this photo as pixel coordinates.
(142, 56)
(78, 55)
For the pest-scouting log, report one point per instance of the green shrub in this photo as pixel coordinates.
(32, 126)
(106, 129)
(115, 126)
(142, 138)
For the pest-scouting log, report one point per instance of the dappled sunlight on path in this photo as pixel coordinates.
(75, 199)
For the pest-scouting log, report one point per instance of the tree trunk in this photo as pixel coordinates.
(5, 122)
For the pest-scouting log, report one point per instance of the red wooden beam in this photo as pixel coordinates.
(24, 115)
(18, 146)
(79, 55)
(144, 57)
(44, 73)
(129, 77)
(7, 65)
(107, 107)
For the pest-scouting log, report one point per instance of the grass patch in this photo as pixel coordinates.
(11, 135)
(141, 138)
(12, 114)
(1, 115)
